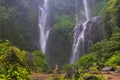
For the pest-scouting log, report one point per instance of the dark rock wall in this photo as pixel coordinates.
(93, 32)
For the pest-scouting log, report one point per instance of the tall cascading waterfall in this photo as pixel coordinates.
(79, 32)
(44, 30)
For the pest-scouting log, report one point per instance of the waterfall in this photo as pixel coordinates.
(86, 9)
(79, 30)
(44, 30)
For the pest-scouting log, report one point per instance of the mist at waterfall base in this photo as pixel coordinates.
(86, 32)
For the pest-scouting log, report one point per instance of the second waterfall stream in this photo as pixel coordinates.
(78, 45)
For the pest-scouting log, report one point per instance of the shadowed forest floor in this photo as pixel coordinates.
(106, 75)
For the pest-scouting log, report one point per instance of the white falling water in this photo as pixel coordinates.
(79, 41)
(44, 30)
(86, 9)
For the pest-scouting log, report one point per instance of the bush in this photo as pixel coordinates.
(12, 62)
(94, 68)
(14, 72)
(114, 60)
(40, 62)
(86, 60)
(67, 67)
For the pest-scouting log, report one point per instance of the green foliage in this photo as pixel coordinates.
(111, 18)
(67, 67)
(63, 27)
(40, 62)
(63, 22)
(61, 7)
(14, 72)
(86, 60)
(93, 68)
(61, 37)
(106, 48)
(12, 62)
(18, 19)
(9, 53)
(114, 60)
(99, 77)
(104, 53)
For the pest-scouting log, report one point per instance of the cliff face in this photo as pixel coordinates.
(85, 34)
(93, 32)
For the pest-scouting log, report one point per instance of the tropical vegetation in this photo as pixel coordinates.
(19, 51)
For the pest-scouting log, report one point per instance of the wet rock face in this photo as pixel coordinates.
(86, 34)
(93, 32)
(77, 31)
